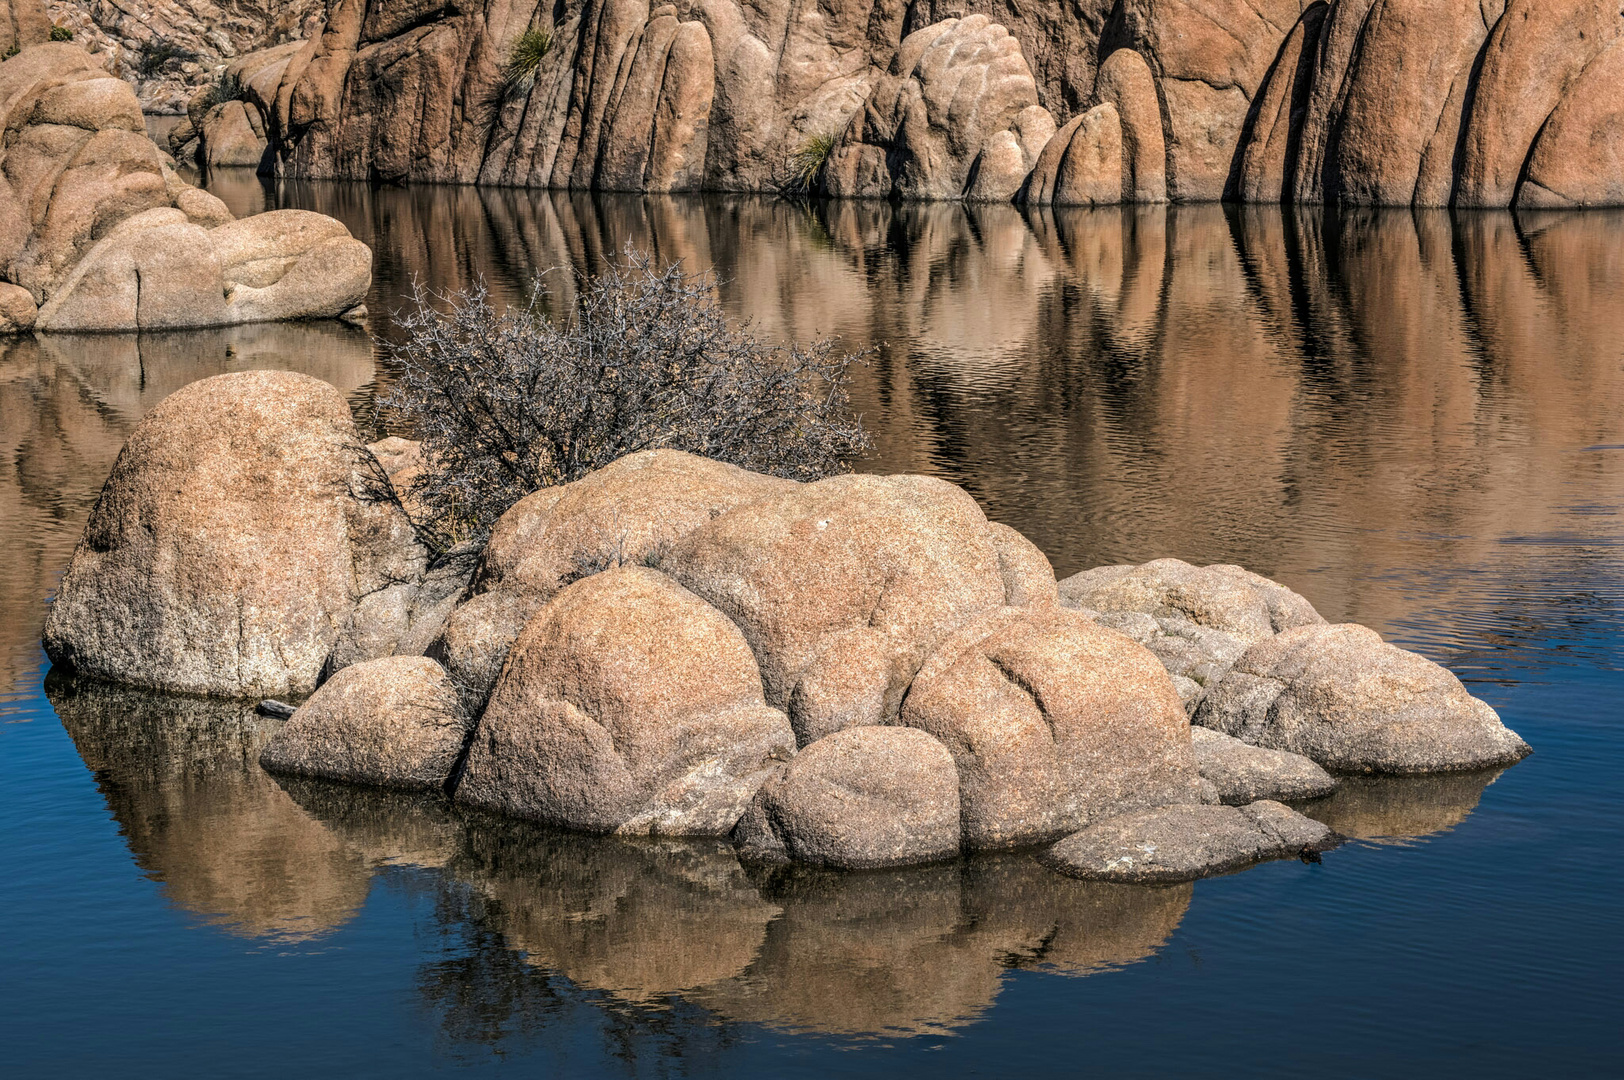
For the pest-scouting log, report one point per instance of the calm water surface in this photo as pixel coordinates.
(1415, 420)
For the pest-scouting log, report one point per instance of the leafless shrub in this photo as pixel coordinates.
(509, 402)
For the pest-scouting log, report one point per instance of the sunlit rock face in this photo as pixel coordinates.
(202, 35)
(98, 232)
(1079, 103)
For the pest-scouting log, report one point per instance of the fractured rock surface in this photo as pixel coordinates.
(1171, 844)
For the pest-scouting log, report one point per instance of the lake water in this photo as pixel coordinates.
(1417, 421)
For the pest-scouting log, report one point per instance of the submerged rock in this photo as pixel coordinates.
(1344, 698)
(1243, 774)
(858, 799)
(1054, 722)
(394, 722)
(1171, 844)
(627, 705)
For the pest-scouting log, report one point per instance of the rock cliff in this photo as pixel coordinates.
(1371, 102)
(98, 231)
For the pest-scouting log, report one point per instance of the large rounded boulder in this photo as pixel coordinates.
(627, 705)
(1342, 697)
(843, 586)
(631, 511)
(244, 536)
(859, 799)
(1053, 722)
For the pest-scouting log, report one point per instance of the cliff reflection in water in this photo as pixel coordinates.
(644, 924)
(1365, 406)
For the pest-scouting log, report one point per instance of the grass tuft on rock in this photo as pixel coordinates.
(806, 165)
(61, 33)
(526, 56)
(509, 402)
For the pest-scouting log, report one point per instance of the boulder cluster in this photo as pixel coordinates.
(1480, 103)
(854, 673)
(98, 231)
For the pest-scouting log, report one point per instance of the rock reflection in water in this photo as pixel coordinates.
(1354, 404)
(182, 778)
(1400, 809)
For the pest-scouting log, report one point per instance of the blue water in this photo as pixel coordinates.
(1448, 476)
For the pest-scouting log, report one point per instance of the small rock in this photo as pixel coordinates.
(1244, 774)
(1170, 844)
(394, 722)
(858, 799)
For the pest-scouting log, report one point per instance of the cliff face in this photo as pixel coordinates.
(170, 49)
(1367, 102)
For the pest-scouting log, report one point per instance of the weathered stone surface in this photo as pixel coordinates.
(233, 544)
(858, 799)
(104, 235)
(1090, 172)
(1344, 698)
(1531, 61)
(906, 558)
(1027, 573)
(1197, 620)
(1270, 148)
(216, 32)
(627, 705)
(631, 511)
(232, 134)
(393, 722)
(1171, 844)
(1578, 159)
(1009, 155)
(1054, 722)
(17, 310)
(951, 89)
(475, 639)
(1243, 774)
(1127, 84)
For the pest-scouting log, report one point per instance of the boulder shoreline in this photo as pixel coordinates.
(854, 673)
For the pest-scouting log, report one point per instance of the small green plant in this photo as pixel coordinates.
(228, 87)
(159, 54)
(526, 56)
(61, 33)
(806, 165)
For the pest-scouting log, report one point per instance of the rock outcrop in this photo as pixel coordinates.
(169, 50)
(856, 673)
(102, 234)
(1401, 102)
(1346, 699)
(240, 542)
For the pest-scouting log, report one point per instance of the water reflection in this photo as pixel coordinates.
(643, 924)
(1360, 405)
